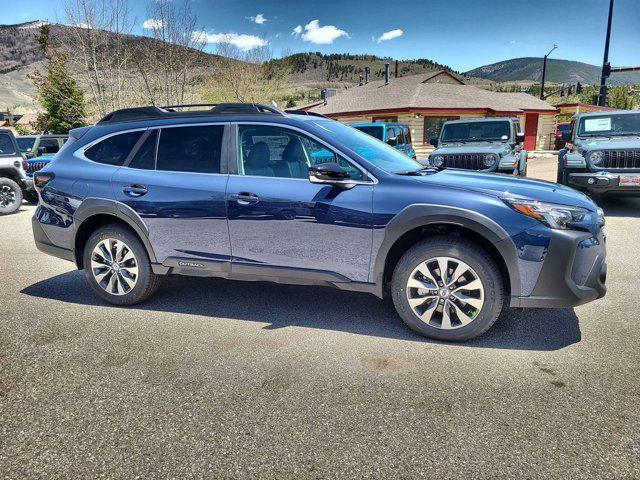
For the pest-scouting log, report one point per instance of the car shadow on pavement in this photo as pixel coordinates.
(619, 206)
(281, 306)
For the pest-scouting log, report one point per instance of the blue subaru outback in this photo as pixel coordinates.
(232, 191)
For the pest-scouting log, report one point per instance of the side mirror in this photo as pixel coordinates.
(434, 142)
(566, 136)
(330, 173)
(519, 137)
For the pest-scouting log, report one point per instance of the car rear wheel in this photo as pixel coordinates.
(10, 196)
(447, 288)
(117, 266)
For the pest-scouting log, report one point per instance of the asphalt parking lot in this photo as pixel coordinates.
(221, 379)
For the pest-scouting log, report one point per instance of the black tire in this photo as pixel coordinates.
(10, 196)
(30, 197)
(146, 282)
(561, 176)
(475, 257)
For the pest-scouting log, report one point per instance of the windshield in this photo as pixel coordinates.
(471, 131)
(25, 144)
(610, 125)
(378, 153)
(373, 130)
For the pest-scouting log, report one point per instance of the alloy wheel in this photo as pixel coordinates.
(445, 293)
(114, 266)
(7, 196)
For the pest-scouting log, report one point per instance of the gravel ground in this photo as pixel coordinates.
(222, 379)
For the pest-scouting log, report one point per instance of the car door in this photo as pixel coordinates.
(175, 181)
(281, 224)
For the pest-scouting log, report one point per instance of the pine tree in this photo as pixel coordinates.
(58, 92)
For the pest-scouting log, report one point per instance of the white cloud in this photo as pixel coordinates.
(152, 24)
(512, 42)
(242, 41)
(83, 25)
(259, 19)
(391, 34)
(314, 33)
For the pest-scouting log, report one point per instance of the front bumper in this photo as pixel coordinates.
(603, 183)
(574, 271)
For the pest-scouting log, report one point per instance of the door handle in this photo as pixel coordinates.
(135, 190)
(245, 198)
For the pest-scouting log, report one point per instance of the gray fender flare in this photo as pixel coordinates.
(420, 215)
(91, 207)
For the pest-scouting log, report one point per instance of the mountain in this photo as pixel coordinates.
(314, 68)
(558, 71)
(20, 56)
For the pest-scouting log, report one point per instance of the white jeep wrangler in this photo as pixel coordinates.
(13, 180)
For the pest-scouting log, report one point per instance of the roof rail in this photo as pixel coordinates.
(157, 113)
(305, 112)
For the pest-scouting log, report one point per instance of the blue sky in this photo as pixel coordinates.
(460, 33)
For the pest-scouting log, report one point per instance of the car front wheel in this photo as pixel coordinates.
(448, 288)
(10, 196)
(117, 266)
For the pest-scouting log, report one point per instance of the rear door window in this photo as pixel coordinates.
(191, 149)
(407, 136)
(6, 145)
(113, 150)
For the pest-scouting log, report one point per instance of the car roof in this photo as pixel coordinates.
(45, 135)
(606, 112)
(483, 119)
(379, 124)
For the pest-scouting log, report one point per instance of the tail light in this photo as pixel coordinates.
(40, 179)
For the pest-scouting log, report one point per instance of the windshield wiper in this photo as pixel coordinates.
(594, 135)
(626, 134)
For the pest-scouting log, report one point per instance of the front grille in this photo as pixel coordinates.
(468, 161)
(621, 159)
(33, 167)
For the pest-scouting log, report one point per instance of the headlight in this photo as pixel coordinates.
(490, 159)
(552, 215)
(596, 157)
(437, 160)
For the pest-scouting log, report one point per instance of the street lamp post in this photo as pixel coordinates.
(544, 71)
(602, 94)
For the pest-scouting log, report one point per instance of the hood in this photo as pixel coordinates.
(472, 147)
(613, 143)
(502, 185)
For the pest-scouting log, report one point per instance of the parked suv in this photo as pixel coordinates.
(398, 135)
(39, 150)
(602, 155)
(232, 192)
(481, 144)
(12, 175)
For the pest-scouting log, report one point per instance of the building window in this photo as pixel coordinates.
(432, 127)
(389, 118)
